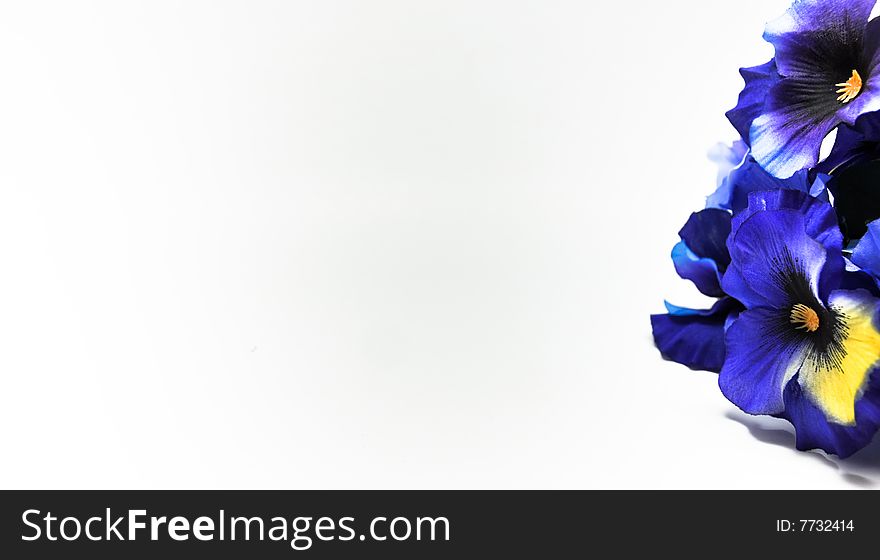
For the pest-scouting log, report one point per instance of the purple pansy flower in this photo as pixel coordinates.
(805, 349)
(826, 71)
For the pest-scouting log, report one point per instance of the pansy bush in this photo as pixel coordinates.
(789, 243)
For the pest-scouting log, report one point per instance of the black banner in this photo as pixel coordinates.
(430, 524)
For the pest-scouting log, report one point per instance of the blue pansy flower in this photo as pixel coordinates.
(694, 337)
(826, 71)
(804, 349)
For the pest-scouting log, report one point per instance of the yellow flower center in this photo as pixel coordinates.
(804, 317)
(850, 89)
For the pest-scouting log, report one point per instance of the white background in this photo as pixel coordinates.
(385, 244)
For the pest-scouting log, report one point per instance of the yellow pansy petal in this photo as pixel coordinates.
(836, 386)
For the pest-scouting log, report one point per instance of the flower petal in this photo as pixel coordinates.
(814, 431)
(854, 144)
(799, 114)
(856, 279)
(866, 254)
(702, 256)
(758, 366)
(817, 30)
(734, 190)
(727, 158)
(871, 48)
(759, 80)
(819, 223)
(701, 271)
(705, 233)
(694, 338)
(869, 61)
(769, 246)
(835, 385)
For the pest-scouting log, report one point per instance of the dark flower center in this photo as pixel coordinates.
(804, 322)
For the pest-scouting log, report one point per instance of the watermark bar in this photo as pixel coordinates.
(428, 524)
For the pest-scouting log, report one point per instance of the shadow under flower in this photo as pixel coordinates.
(861, 469)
